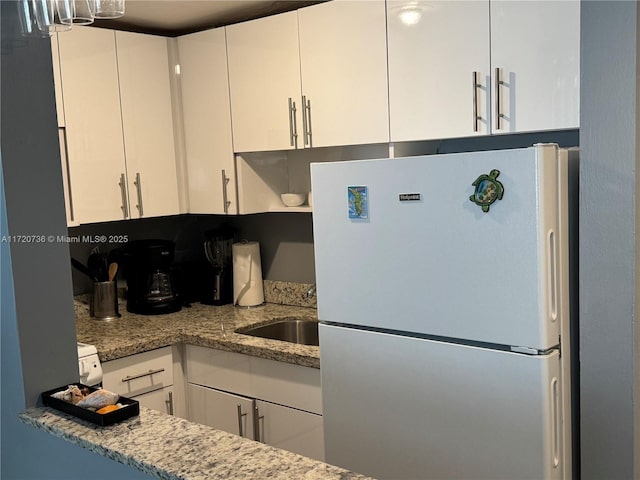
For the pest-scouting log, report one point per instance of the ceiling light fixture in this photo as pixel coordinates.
(43, 17)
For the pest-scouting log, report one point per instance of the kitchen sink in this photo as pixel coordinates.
(293, 330)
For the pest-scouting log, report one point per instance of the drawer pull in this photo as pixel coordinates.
(128, 378)
(169, 403)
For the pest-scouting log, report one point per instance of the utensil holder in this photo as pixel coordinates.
(104, 301)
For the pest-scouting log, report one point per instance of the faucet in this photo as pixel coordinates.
(309, 293)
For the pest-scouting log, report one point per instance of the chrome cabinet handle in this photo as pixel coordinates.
(138, 184)
(306, 120)
(293, 126)
(256, 423)
(67, 173)
(241, 415)
(123, 193)
(128, 378)
(476, 85)
(290, 122)
(169, 403)
(226, 203)
(499, 115)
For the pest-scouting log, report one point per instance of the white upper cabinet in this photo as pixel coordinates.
(535, 53)
(147, 119)
(119, 125)
(343, 57)
(264, 78)
(459, 69)
(438, 69)
(316, 77)
(207, 122)
(96, 159)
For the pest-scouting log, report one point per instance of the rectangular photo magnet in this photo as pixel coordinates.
(358, 202)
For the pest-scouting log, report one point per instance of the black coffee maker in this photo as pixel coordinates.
(218, 278)
(148, 271)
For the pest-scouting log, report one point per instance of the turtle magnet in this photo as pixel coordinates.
(488, 190)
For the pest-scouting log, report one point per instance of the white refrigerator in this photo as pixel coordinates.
(443, 297)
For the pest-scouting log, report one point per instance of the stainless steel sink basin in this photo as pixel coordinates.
(293, 330)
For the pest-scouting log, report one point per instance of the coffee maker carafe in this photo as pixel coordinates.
(218, 284)
(147, 269)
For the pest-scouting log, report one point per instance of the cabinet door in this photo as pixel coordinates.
(290, 429)
(207, 122)
(264, 77)
(147, 120)
(223, 411)
(438, 69)
(343, 57)
(89, 74)
(535, 46)
(160, 400)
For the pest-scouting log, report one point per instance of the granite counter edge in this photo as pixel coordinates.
(227, 455)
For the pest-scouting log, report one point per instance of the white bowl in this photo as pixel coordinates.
(293, 199)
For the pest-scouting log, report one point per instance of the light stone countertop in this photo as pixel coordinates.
(201, 325)
(188, 451)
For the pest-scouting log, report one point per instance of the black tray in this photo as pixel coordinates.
(130, 408)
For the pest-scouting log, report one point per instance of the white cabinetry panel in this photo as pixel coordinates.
(536, 48)
(434, 50)
(89, 72)
(140, 373)
(291, 429)
(282, 402)
(147, 118)
(161, 400)
(223, 411)
(264, 76)
(343, 60)
(207, 122)
(214, 368)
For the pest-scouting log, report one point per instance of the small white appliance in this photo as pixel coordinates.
(89, 365)
(443, 300)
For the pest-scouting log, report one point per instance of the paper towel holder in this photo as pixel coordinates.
(247, 275)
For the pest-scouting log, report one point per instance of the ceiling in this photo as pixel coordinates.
(177, 17)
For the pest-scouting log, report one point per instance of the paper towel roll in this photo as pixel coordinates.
(247, 274)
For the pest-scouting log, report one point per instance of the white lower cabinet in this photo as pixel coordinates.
(221, 410)
(152, 378)
(290, 429)
(162, 400)
(273, 402)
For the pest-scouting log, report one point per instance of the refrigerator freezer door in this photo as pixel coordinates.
(407, 408)
(440, 265)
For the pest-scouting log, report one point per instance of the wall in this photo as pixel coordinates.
(38, 350)
(609, 241)
(286, 241)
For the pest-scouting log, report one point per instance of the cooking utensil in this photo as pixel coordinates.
(98, 267)
(113, 271)
(82, 268)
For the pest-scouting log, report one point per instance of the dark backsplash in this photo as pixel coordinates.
(286, 241)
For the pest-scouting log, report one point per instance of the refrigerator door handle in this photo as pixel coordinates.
(557, 427)
(553, 283)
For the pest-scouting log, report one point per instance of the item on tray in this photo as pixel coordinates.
(72, 394)
(98, 399)
(108, 408)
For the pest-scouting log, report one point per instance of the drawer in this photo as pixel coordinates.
(212, 368)
(286, 384)
(140, 373)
